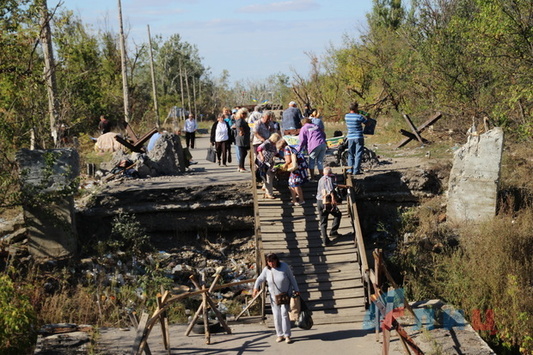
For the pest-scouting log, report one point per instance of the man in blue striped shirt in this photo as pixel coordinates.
(356, 141)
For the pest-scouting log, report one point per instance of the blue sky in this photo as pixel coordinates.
(252, 39)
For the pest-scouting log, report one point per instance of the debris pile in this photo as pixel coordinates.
(166, 158)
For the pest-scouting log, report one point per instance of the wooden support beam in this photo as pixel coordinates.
(163, 320)
(139, 347)
(135, 321)
(212, 304)
(140, 334)
(251, 302)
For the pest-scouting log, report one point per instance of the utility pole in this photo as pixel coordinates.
(154, 88)
(125, 88)
(49, 70)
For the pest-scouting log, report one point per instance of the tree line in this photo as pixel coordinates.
(469, 59)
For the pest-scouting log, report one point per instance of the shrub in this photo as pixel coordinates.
(17, 320)
(490, 270)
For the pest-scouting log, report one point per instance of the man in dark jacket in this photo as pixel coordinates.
(292, 120)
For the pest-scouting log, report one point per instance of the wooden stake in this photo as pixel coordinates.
(140, 335)
(213, 306)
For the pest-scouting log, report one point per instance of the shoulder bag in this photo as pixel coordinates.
(282, 297)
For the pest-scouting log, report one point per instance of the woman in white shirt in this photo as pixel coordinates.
(221, 138)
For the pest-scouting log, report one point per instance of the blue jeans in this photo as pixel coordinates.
(355, 153)
(317, 156)
(237, 154)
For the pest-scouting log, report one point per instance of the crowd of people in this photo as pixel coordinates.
(299, 145)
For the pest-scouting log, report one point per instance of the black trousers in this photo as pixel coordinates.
(323, 218)
(189, 138)
(222, 151)
(242, 158)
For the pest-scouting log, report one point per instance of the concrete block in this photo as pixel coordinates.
(474, 178)
(48, 184)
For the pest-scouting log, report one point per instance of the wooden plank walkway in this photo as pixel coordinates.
(329, 277)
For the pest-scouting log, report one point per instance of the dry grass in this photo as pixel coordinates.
(490, 269)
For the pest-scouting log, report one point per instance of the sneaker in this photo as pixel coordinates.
(288, 340)
(292, 203)
(300, 203)
(334, 234)
(192, 162)
(327, 242)
(279, 339)
(225, 165)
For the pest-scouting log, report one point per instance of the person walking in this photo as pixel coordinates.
(298, 176)
(356, 141)
(326, 205)
(313, 139)
(221, 138)
(190, 131)
(280, 279)
(262, 129)
(265, 162)
(230, 120)
(242, 137)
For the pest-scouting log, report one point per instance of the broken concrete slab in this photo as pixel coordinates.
(475, 177)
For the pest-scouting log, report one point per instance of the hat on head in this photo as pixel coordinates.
(234, 110)
(292, 103)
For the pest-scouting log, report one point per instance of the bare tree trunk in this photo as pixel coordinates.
(125, 88)
(49, 71)
(194, 95)
(200, 94)
(154, 88)
(181, 89)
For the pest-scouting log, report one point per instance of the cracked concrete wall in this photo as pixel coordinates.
(475, 177)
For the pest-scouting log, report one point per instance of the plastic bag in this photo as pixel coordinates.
(305, 319)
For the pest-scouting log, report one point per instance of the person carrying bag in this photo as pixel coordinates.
(278, 276)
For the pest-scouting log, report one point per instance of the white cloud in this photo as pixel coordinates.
(284, 6)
